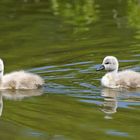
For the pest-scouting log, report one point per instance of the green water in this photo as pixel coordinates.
(64, 42)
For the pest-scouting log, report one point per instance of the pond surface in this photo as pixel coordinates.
(64, 42)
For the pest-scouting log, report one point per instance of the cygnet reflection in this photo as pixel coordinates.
(17, 95)
(110, 102)
(20, 94)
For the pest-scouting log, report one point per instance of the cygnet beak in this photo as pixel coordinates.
(101, 67)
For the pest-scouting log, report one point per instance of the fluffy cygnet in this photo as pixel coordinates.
(19, 79)
(115, 79)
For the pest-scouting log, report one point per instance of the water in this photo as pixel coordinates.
(64, 42)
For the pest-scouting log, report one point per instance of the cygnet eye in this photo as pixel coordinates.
(107, 63)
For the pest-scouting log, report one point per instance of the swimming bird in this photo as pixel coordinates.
(118, 79)
(19, 79)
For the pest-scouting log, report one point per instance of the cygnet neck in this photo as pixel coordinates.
(1, 77)
(114, 71)
(1, 70)
(1, 74)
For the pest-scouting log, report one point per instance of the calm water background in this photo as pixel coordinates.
(64, 42)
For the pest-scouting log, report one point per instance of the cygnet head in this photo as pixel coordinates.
(110, 63)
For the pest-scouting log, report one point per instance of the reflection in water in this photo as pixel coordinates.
(134, 13)
(119, 97)
(110, 102)
(17, 95)
(78, 13)
(133, 16)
